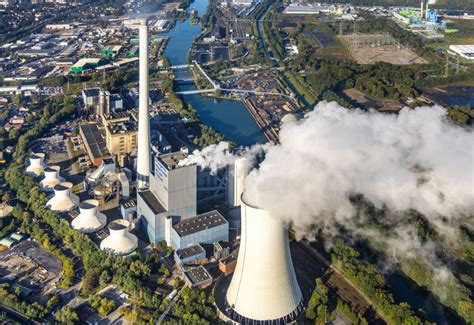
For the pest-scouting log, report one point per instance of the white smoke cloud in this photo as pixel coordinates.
(416, 160)
(218, 156)
(413, 160)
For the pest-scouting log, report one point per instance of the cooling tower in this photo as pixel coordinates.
(264, 289)
(143, 152)
(63, 200)
(51, 178)
(120, 241)
(36, 166)
(89, 218)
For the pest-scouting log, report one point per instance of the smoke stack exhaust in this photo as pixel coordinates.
(143, 159)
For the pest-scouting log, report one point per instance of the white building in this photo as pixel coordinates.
(464, 51)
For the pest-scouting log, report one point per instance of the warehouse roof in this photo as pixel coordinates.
(190, 251)
(152, 202)
(199, 223)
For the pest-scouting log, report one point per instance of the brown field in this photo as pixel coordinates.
(393, 54)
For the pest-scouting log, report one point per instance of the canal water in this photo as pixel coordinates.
(229, 117)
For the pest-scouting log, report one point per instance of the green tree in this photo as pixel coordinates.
(66, 315)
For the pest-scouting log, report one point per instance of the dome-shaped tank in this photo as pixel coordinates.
(120, 241)
(89, 218)
(36, 166)
(63, 200)
(51, 178)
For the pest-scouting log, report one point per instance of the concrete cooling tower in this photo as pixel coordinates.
(63, 200)
(89, 218)
(120, 241)
(264, 289)
(51, 178)
(36, 166)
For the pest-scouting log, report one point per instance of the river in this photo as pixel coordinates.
(229, 117)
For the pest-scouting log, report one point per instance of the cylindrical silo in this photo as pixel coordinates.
(264, 289)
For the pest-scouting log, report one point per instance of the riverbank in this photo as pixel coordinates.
(267, 130)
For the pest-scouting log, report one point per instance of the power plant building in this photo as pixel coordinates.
(206, 228)
(172, 192)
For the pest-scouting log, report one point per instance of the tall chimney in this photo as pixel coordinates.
(422, 14)
(143, 159)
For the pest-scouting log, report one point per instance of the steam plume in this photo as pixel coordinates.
(416, 160)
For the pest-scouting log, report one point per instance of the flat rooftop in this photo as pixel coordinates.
(94, 139)
(190, 251)
(152, 202)
(172, 159)
(197, 275)
(199, 223)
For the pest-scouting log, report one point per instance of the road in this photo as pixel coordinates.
(171, 304)
(16, 316)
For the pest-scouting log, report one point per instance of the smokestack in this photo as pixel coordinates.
(236, 180)
(143, 159)
(264, 288)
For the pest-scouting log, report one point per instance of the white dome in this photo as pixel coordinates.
(63, 200)
(264, 285)
(89, 218)
(36, 166)
(51, 178)
(120, 241)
